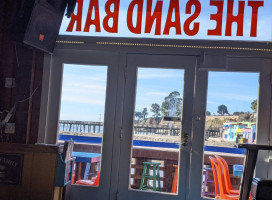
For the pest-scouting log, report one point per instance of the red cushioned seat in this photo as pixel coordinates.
(93, 182)
(85, 182)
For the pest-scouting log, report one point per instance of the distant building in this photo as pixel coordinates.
(233, 131)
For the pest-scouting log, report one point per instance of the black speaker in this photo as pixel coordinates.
(44, 24)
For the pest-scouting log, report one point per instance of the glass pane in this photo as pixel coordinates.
(157, 127)
(230, 119)
(82, 118)
(203, 20)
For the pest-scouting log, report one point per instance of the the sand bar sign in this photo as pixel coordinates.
(183, 16)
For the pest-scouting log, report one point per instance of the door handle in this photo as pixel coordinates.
(184, 139)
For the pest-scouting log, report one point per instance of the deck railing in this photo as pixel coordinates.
(168, 158)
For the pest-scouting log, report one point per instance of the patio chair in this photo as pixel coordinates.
(206, 180)
(227, 181)
(175, 180)
(155, 177)
(225, 167)
(93, 182)
(220, 189)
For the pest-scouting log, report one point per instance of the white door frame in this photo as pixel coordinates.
(155, 61)
(51, 117)
(233, 64)
(235, 51)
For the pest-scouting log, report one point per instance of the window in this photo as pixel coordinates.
(230, 120)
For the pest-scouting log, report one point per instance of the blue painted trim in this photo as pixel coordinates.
(155, 144)
(225, 149)
(98, 140)
(60, 174)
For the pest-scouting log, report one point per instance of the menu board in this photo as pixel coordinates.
(11, 167)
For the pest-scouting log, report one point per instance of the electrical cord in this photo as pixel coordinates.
(5, 118)
(28, 97)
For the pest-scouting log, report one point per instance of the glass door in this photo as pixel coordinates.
(237, 106)
(81, 106)
(157, 125)
(151, 140)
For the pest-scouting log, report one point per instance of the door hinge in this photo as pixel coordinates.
(121, 134)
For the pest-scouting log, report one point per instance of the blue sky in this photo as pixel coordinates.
(236, 90)
(154, 85)
(84, 89)
(263, 34)
(83, 92)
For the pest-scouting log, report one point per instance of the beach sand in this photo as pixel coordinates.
(161, 138)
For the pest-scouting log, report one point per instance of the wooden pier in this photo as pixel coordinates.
(81, 126)
(97, 127)
(139, 129)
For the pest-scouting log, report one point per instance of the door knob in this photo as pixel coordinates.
(184, 139)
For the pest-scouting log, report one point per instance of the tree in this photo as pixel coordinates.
(254, 105)
(171, 106)
(138, 115)
(144, 113)
(155, 108)
(208, 113)
(222, 110)
(244, 117)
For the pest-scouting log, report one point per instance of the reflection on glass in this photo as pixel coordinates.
(230, 119)
(156, 130)
(82, 118)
